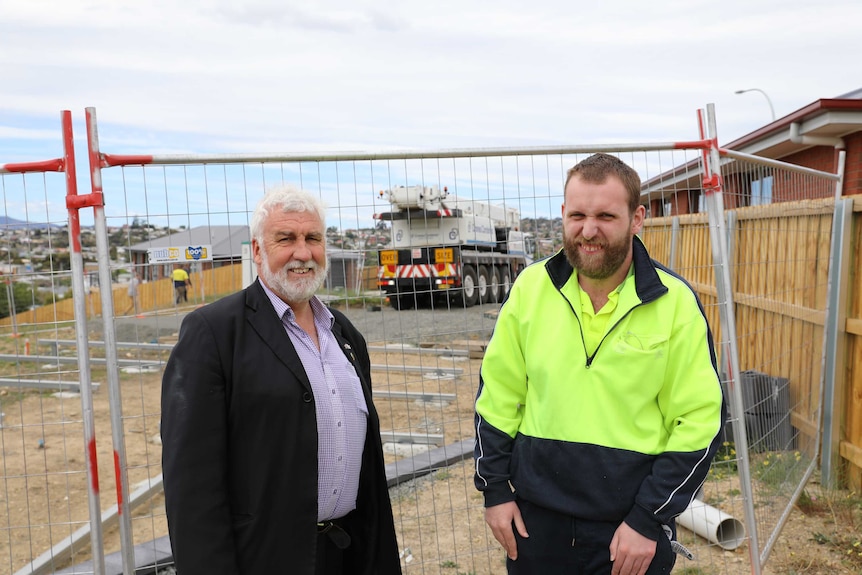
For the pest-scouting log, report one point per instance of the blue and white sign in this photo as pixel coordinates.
(180, 254)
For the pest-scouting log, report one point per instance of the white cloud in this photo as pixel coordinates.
(263, 75)
(12, 133)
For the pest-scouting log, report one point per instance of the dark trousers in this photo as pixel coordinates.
(562, 544)
(332, 540)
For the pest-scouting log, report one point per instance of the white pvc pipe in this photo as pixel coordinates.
(715, 525)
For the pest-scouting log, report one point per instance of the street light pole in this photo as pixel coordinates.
(765, 95)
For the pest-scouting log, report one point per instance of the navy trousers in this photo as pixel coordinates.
(562, 544)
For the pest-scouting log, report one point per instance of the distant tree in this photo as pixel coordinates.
(61, 262)
(23, 296)
(61, 240)
(118, 235)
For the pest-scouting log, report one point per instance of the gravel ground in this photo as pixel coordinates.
(423, 326)
(379, 324)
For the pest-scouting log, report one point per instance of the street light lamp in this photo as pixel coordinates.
(768, 101)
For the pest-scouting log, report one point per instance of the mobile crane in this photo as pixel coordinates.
(466, 251)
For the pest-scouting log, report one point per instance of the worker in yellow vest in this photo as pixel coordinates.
(181, 283)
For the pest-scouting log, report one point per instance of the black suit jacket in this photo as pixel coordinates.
(239, 457)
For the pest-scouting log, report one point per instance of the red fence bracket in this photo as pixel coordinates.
(85, 201)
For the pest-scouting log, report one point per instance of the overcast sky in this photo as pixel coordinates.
(248, 76)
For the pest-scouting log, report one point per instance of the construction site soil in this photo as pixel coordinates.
(439, 516)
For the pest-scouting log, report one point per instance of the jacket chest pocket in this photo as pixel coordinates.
(642, 356)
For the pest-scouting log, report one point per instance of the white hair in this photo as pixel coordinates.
(288, 198)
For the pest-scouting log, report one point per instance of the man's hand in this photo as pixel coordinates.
(499, 518)
(631, 552)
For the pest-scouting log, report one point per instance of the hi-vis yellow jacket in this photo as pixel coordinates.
(625, 434)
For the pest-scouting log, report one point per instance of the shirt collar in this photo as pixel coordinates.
(616, 291)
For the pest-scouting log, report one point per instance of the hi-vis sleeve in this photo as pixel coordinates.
(499, 405)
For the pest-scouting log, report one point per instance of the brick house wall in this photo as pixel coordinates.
(825, 159)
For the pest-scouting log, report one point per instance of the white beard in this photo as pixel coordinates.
(295, 289)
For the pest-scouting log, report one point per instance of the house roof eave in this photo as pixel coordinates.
(824, 117)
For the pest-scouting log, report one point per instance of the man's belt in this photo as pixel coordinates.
(335, 532)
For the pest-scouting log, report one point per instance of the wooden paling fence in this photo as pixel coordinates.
(780, 261)
(153, 296)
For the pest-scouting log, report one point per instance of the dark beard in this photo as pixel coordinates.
(598, 267)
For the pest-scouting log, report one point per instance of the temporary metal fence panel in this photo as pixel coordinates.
(439, 514)
(158, 206)
(776, 279)
(50, 486)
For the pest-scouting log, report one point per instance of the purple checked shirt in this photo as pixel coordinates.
(342, 414)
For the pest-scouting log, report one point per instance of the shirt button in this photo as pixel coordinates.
(333, 392)
(339, 424)
(340, 458)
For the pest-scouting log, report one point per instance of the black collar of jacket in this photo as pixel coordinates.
(647, 283)
(262, 317)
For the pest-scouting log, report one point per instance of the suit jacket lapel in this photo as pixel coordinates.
(348, 350)
(263, 320)
(344, 344)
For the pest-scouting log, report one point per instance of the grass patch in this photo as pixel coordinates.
(776, 468)
(843, 513)
(725, 463)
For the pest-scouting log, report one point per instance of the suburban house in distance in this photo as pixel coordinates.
(345, 266)
(226, 242)
(811, 137)
(345, 269)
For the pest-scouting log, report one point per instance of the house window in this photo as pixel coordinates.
(761, 191)
(695, 198)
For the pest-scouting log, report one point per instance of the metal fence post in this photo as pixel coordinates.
(730, 353)
(114, 395)
(833, 340)
(79, 295)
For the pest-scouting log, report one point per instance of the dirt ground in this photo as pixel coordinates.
(439, 517)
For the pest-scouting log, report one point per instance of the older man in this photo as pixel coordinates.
(271, 447)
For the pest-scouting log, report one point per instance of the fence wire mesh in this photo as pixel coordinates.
(780, 257)
(44, 472)
(425, 361)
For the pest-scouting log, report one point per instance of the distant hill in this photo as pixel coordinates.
(7, 223)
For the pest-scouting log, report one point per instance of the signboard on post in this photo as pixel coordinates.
(180, 254)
